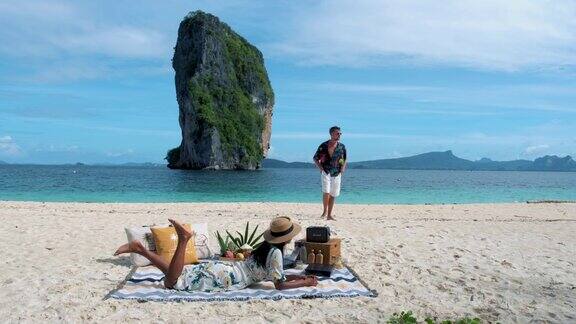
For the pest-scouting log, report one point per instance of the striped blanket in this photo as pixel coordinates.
(146, 284)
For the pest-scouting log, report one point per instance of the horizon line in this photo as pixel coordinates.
(271, 158)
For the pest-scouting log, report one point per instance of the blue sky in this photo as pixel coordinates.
(91, 81)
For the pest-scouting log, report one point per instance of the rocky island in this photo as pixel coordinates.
(224, 97)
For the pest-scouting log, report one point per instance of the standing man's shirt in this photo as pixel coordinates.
(332, 165)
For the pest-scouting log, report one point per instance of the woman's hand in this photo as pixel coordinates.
(294, 282)
(311, 281)
(295, 277)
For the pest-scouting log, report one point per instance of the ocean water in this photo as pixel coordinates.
(159, 184)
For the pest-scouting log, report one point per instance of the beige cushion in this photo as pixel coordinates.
(166, 241)
(144, 236)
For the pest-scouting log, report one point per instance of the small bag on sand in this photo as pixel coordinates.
(202, 249)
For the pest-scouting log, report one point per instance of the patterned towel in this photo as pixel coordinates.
(146, 284)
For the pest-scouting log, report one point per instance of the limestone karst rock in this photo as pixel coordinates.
(224, 97)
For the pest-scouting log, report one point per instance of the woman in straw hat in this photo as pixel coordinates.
(264, 264)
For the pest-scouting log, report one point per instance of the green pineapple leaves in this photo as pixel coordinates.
(233, 243)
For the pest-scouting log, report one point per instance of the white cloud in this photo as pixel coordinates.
(120, 41)
(58, 148)
(120, 153)
(298, 135)
(170, 134)
(536, 148)
(44, 29)
(84, 70)
(70, 72)
(501, 35)
(53, 41)
(324, 135)
(9, 147)
(375, 88)
(353, 135)
(511, 144)
(497, 99)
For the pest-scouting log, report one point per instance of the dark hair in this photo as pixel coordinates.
(261, 253)
(334, 128)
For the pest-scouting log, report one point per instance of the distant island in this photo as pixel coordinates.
(447, 161)
(426, 161)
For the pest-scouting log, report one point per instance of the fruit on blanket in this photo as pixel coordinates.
(239, 256)
(229, 254)
(246, 247)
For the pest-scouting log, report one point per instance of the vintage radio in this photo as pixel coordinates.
(330, 250)
(319, 270)
(319, 234)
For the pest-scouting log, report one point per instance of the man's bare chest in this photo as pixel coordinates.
(332, 148)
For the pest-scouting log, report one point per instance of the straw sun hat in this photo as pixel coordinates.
(281, 230)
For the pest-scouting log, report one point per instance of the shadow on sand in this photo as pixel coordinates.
(119, 261)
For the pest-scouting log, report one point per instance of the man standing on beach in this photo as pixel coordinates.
(330, 158)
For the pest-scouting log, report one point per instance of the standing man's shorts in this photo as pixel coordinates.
(330, 184)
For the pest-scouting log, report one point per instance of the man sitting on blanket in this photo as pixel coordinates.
(264, 264)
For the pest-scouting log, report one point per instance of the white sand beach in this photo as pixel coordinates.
(499, 262)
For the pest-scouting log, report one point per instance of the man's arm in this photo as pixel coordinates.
(345, 157)
(316, 157)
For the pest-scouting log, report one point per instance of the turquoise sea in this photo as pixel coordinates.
(160, 184)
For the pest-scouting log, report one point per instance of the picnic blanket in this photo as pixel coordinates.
(146, 284)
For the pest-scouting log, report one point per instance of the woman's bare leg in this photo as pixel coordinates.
(325, 201)
(177, 263)
(137, 247)
(331, 201)
(174, 269)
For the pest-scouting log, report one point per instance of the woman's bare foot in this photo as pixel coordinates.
(183, 233)
(331, 218)
(132, 246)
(323, 215)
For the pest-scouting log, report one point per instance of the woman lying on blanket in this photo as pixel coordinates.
(264, 264)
